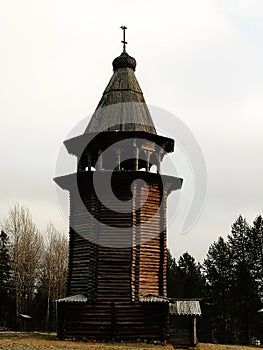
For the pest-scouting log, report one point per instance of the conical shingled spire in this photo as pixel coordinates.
(126, 108)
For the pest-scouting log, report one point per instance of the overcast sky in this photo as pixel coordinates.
(200, 60)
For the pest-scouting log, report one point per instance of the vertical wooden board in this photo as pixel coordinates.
(150, 254)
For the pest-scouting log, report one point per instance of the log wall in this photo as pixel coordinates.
(114, 320)
(83, 257)
(113, 278)
(104, 272)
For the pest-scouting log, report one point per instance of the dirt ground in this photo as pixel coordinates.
(48, 341)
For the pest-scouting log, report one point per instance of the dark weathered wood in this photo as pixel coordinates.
(118, 320)
(122, 88)
(116, 258)
(118, 275)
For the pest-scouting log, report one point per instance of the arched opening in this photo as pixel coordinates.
(153, 169)
(142, 161)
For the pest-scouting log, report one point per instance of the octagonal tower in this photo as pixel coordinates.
(117, 260)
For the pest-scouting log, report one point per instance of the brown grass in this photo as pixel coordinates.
(225, 347)
(43, 341)
(48, 341)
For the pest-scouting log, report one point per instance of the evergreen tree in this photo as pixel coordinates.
(190, 276)
(239, 241)
(245, 291)
(184, 279)
(232, 270)
(256, 252)
(245, 302)
(5, 276)
(171, 275)
(218, 271)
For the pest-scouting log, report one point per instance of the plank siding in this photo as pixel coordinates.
(149, 276)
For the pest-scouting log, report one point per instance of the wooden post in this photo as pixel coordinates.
(194, 331)
(81, 166)
(135, 274)
(165, 323)
(89, 162)
(158, 163)
(137, 159)
(118, 154)
(148, 161)
(163, 251)
(99, 162)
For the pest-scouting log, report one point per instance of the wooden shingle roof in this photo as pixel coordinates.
(77, 298)
(185, 307)
(122, 106)
(150, 298)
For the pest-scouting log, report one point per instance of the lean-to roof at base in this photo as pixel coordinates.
(150, 298)
(176, 307)
(78, 298)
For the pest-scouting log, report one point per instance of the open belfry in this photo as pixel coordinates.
(117, 235)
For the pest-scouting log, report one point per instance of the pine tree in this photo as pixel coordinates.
(184, 279)
(5, 287)
(239, 241)
(171, 275)
(245, 302)
(244, 286)
(218, 271)
(191, 279)
(256, 252)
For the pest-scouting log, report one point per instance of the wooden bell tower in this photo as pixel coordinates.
(117, 261)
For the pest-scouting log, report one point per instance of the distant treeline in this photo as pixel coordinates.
(33, 273)
(229, 283)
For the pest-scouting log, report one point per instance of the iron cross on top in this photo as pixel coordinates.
(123, 41)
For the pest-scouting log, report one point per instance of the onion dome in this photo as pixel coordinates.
(124, 61)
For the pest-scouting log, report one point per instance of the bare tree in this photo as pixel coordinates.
(26, 251)
(55, 263)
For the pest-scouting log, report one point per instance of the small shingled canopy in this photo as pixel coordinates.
(185, 307)
(183, 318)
(176, 307)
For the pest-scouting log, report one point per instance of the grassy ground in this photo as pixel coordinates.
(225, 347)
(48, 341)
(45, 341)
